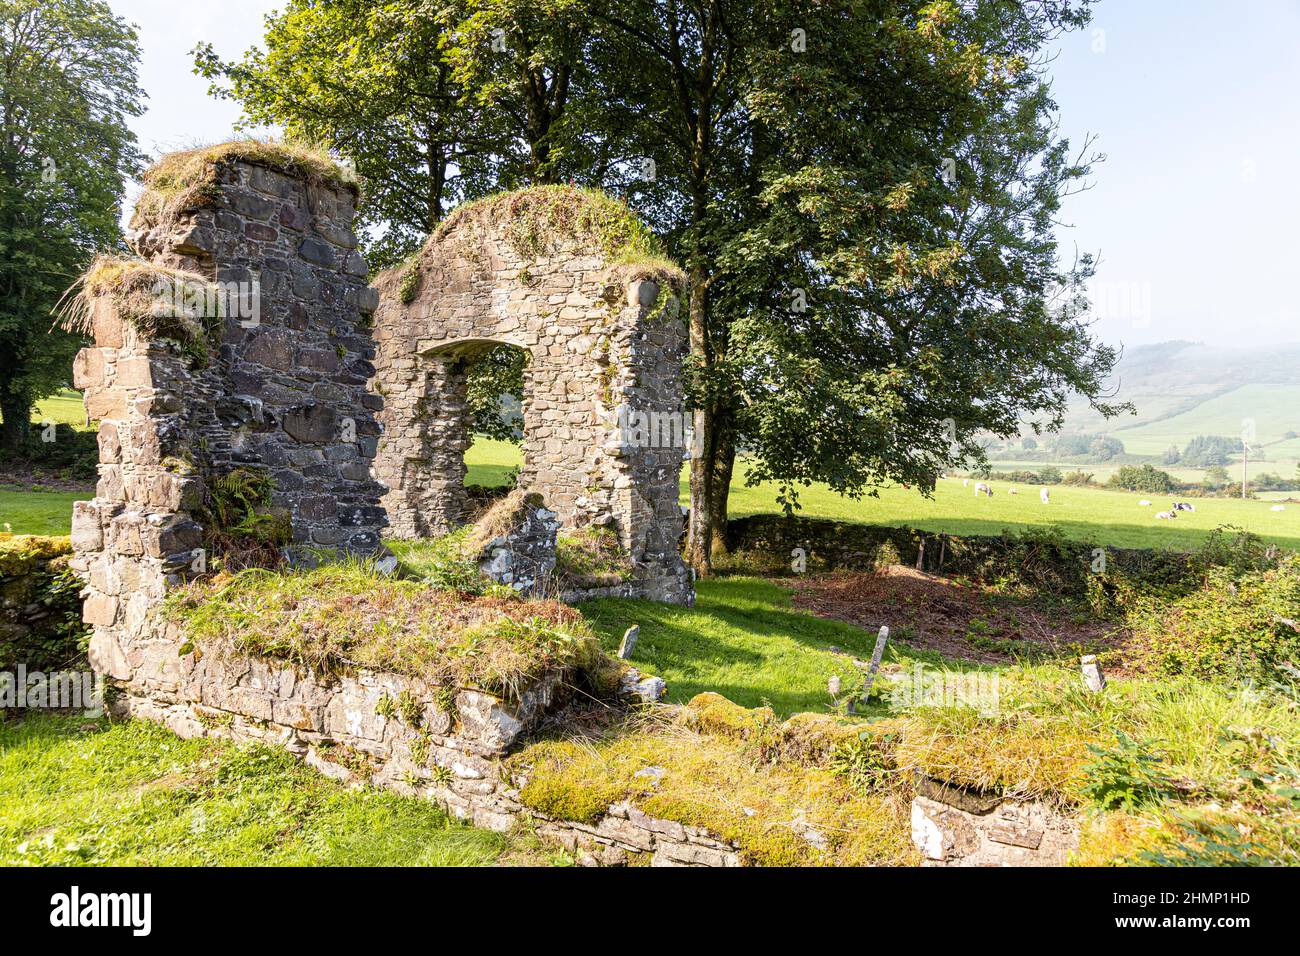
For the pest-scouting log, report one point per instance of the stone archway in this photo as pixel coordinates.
(562, 274)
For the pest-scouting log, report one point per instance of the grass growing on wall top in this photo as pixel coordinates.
(188, 179)
(342, 616)
(542, 217)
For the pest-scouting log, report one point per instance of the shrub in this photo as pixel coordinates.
(1216, 477)
(1235, 626)
(40, 605)
(73, 454)
(1127, 777)
(1143, 478)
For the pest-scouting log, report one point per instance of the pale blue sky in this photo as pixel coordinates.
(1195, 213)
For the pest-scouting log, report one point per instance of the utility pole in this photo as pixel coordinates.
(1245, 460)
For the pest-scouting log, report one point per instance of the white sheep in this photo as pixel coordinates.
(983, 489)
(1278, 508)
(1166, 515)
(965, 482)
(1044, 496)
(1012, 491)
(1144, 503)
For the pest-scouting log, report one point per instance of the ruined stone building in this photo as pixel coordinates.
(352, 399)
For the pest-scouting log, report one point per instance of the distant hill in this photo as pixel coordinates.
(1184, 389)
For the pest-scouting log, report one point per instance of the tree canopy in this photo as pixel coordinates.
(863, 195)
(67, 86)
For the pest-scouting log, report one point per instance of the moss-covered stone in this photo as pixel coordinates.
(777, 813)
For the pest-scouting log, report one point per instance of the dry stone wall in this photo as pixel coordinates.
(604, 345)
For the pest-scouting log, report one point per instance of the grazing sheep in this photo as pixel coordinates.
(1012, 491)
(1144, 503)
(965, 482)
(983, 489)
(1183, 506)
(1166, 515)
(1044, 496)
(1278, 508)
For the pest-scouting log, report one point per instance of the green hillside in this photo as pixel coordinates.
(1274, 408)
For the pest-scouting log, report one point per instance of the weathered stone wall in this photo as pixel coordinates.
(599, 337)
(138, 535)
(284, 389)
(831, 545)
(291, 380)
(388, 731)
(954, 827)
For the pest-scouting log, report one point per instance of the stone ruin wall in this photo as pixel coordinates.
(356, 730)
(276, 393)
(291, 380)
(598, 338)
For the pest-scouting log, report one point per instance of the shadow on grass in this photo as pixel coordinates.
(744, 640)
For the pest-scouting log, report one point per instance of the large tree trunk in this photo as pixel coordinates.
(724, 462)
(699, 533)
(17, 421)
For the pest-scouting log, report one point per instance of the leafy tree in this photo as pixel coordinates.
(370, 82)
(67, 86)
(1143, 478)
(1105, 447)
(1172, 455)
(1029, 443)
(434, 104)
(869, 250)
(1204, 451)
(525, 60)
(862, 193)
(1216, 477)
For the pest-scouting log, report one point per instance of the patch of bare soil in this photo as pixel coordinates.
(957, 619)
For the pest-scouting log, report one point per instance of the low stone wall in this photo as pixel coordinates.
(841, 545)
(954, 827)
(442, 744)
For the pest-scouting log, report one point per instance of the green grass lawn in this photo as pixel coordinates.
(65, 408)
(132, 793)
(1106, 517)
(37, 512)
(744, 641)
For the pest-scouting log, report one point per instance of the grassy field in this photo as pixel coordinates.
(37, 512)
(65, 408)
(1107, 517)
(130, 794)
(89, 792)
(1275, 410)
